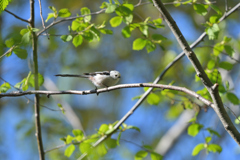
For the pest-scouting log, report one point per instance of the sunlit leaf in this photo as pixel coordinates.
(77, 40)
(197, 149)
(86, 11)
(116, 21)
(233, 98)
(64, 13)
(200, 9)
(66, 38)
(139, 44)
(194, 129)
(214, 148)
(21, 53)
(226, 65)
(69, 150)
(4, 87)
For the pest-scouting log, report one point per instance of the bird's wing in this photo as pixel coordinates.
(95, 73)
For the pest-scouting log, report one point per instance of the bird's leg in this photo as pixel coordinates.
(96, 90)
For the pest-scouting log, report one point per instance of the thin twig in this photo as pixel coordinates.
(24, 20)
(40, 6)
(8, 51)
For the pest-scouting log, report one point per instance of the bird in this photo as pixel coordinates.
(100, 79)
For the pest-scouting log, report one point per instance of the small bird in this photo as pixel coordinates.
(99, 79)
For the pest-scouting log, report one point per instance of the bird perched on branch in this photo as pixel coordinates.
(99, 79)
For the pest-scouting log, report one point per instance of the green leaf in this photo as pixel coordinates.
(26, 38)
(214, 148)
(4, 4)
(194, 129)
(197, 149)
(53, 9)
(86, 11)
(212, 31)
(215, 8)
(106, 31)
(116, 21)
(158, 38)
(4, 87)
(75, 25)
(35, 29)
(150, 46)
(95, 32)
(103, 128)
(101, 149)
(229, 50)
(85, 147)
(218, 48)
(129, 6)
(140, 155)
(61, 108)
(126, 32)
(153, 99)
(64, 13)
(214, 19)
(233, 98)
(50, 15)
(111, 143)
(211, 64)
(211, 131)
(24, 31)
(77, 132)
(9, 42)
(208, 139)
(227, 85)
(139, 44)
(226, 65)
(69, 150)
(237, 120)
(69, 139)
(227, 39)
(156, 156)
(200, 9)
(66, 38)
(77, 40)
(40, 80)
(110, 8)
(21, 53)
(144, 30)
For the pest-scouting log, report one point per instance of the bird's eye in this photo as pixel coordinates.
(115, 75)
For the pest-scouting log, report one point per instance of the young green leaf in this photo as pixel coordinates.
(153, 99)
(50, 15)
(85, 147)
(110, 8)
(211, 131)
(211, 64)
(40, 80)
(4, 87)
(197, 149)
(111, 143)
(77, 40)
(200, 9)
(215, 8)
(126, 32)
(194, 129)
(69, 150)
(233, 98)
(66, 38)
(150, 46)
(140, 155)
(144, 30)
(21, 53)
(86, 11)
(9, 42)
(106, 31)
(212, 31)
(139, 44)
(214, 148)
(64, 13)
(156, 156)
(229, 50)
(226, 65)
(116, 21)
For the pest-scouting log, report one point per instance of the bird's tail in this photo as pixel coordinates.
(72, 75)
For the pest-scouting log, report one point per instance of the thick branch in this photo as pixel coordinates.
(36, 98)
(212, 89)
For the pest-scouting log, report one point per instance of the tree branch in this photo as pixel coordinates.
(36, 98)
(24, 20)
(212, 89)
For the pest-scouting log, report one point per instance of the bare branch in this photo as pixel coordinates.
(36, 98)
(24, 20)
(134, 85)
(212, 89)
(40, 6)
